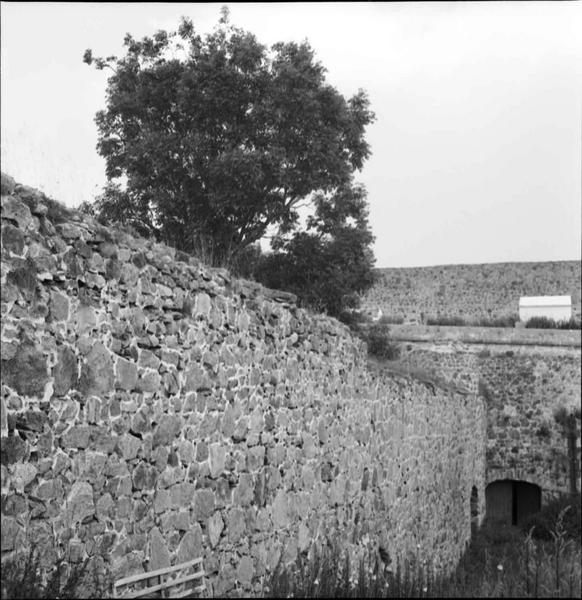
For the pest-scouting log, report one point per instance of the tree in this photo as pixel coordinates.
(330, 263)
(214, 140)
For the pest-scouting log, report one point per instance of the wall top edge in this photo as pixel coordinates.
(486, 335)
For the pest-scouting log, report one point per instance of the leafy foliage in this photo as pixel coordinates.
(209, 141)
(23, 577)
(330, 263)
(544, 522)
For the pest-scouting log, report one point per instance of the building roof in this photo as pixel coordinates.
(545, 301)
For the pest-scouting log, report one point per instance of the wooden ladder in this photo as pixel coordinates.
(180, 581)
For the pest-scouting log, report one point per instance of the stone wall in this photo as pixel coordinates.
(523, 392)
(154, 410)
(524, 375)
(484, 291)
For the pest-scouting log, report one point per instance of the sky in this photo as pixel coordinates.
(477, 143)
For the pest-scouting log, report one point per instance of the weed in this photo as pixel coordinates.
(23, 577)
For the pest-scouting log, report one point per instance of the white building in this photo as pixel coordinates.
(558, 308)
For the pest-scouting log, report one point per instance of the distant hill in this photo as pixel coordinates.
(469, 291)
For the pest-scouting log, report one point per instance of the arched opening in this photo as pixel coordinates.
(511, 502)
(474, 503)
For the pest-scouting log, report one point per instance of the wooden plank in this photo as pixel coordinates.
(164, 571)
(186, 593)
(163, 586)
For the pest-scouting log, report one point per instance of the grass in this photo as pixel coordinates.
(23, 577)
(499, 562)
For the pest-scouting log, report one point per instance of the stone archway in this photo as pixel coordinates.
(511, 502)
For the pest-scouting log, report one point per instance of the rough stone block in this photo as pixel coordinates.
(97, 374)
(217, 459)
(235, 524)
(191, 544)
(214, 527)
(27, 371)
(80, 503)
(16, 211)
(125, 374)
(203, 504)
(65, 371)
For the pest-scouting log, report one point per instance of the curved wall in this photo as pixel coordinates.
(154, 410)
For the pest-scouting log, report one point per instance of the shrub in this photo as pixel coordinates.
(545, 520)
(506, 321)
(547, 323)
(377, 337)
(391, 320)
(456, 321)
(23, 577)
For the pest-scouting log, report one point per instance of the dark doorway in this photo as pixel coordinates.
(511, 502)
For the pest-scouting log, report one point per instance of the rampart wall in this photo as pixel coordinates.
(525, 375)
(154, 410)
(486, 291)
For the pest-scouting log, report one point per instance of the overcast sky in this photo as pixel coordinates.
(477, 143)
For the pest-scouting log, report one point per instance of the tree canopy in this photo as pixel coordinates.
(329, 263)
(217, 139)
(213, 141)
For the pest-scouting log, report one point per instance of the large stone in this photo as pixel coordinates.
(12, 239)
(144, 477)
(182, 494)
(235, 524)
(244, 491)
(244, 570)
(196, 379)
(168, 428)
(31, 420)
(27, 371)
(80, 503)
(129, 446)
(203, 304)
(129, 274)
(104, 506)
(77, 437)
(217, 459)
(97, 373)
(13, 449)
(17, 211)
(149, 381)
(148, 359)
(280, 511)
(125, 374)
(191, 545)
(71, 231)
(9, 534)
(24, 474)
(65, 371)
(214, 526)
(59, 306)
(203, 504)
(7, 184)
(158, 551)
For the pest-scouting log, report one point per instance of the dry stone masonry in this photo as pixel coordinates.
(154, 410)
(524, 376)
(488, 291)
